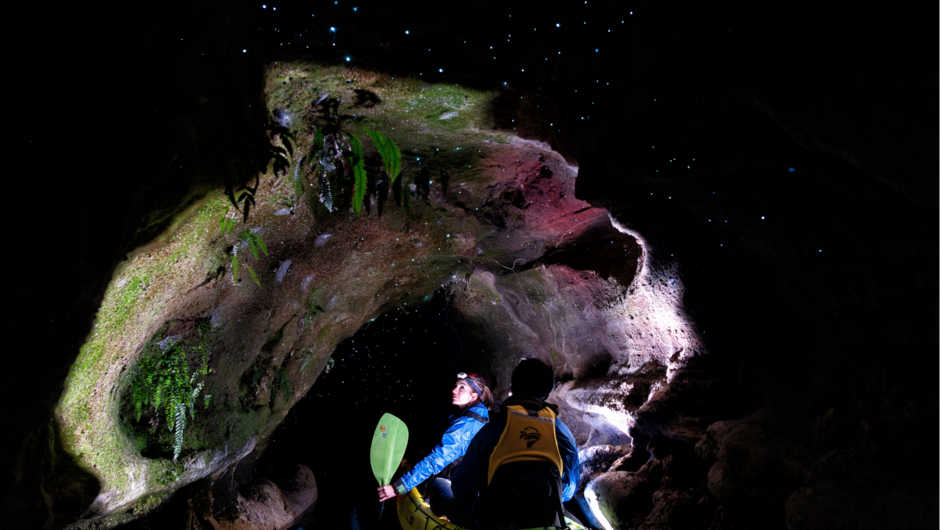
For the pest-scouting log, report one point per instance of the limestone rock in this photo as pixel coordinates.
(757, 464)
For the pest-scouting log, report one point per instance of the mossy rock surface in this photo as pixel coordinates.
(269, 340)
(493, 207)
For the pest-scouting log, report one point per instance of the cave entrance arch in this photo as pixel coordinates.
(580, 307)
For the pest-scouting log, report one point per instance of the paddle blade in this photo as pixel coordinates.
(388, 447)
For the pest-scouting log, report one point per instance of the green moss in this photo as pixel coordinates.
(483, 291)
(148, 502)
(315, 302)
(324, 331)
(408, 111)
(164, 473)
(241, 425)
(282, 382)
(126, 298)
(89, 354)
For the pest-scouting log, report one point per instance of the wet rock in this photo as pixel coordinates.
(260, 504)
(757, 462)
(282, 270)
(625, 498)
(599, 459)
(239, 500)
(663, 494)
(282, 117)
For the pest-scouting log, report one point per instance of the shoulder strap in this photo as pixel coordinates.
(474, 415)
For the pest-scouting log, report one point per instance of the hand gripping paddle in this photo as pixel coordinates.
(388, 447)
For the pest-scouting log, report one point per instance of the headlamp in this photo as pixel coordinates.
(465, 377)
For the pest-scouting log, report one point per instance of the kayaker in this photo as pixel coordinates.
(518, 469)
(474, 399)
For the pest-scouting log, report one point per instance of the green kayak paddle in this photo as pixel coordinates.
(388, 447)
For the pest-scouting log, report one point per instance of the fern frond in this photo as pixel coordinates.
(170, 416)
(261, 244)
(180, 426)
(166, 381)
(326, 193)
(158, 396)
(389, 152)
(254, 241)
(204, 370)
(317, 147)
(249, 238)
(226, 224)
(254, 276)
(357, 161)
(297, 167)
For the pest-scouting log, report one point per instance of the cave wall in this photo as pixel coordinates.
(502, 233)
(817, 90)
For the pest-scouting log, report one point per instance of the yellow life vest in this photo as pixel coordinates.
(528, 436)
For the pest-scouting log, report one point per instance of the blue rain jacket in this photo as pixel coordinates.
(453, 445)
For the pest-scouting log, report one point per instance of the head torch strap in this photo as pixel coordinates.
(465, 377)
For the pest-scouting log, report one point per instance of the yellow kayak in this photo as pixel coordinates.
(415, 514)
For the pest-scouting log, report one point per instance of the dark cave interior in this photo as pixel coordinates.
(783, 154)
(404, 363)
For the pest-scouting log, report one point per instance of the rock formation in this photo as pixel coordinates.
(739, 345)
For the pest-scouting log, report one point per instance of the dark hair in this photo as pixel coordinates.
(484, 396)
(532, 378)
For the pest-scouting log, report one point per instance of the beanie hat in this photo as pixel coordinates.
(533, 378)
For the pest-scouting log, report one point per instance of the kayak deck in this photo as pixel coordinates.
(415, 514)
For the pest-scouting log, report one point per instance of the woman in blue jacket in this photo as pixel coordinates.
(474, 399)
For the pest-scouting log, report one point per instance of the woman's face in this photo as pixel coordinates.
(463, 394)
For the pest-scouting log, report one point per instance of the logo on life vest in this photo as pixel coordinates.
(530, 435)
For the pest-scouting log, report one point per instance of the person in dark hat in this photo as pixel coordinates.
(523, 464)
